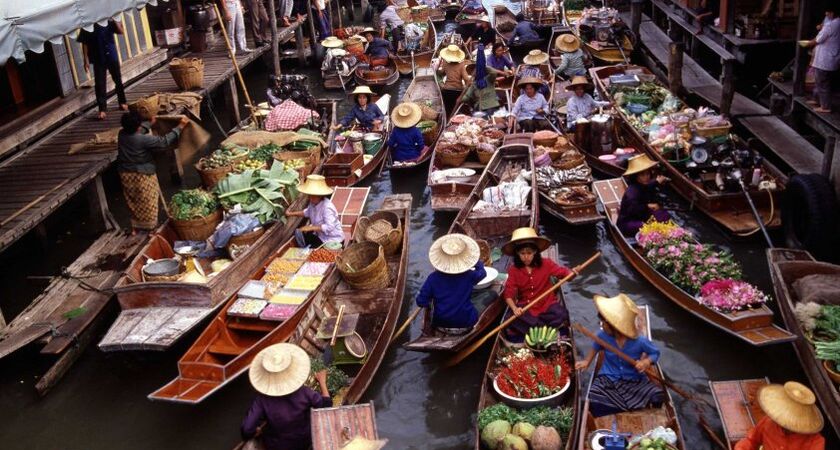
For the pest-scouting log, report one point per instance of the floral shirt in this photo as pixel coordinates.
(325, 215)
(827, 51)
(523, 287)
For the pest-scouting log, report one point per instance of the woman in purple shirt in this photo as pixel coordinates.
(324, 222)
(278, 373)
(639, 202)
(499, 60)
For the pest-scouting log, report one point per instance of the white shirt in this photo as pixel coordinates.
(526, 107)
(827, 51)
(325, 216)
(577, 107)
(390, 18)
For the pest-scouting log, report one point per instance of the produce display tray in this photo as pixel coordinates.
(247, 307)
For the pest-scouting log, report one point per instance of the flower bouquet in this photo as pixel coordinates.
(731, 295)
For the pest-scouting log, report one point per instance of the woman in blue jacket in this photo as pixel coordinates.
(406, 140)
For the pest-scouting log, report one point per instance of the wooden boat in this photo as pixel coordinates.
(729, 209)
(570, 16)
(579, 214)
(407, 63)
(436, 15)
(547, 77)
(737, 407)
(635, 422)
(605, 49)
(376, 78)
(225, 349)
(423, 90)
(504, 22)
(333, 427)
(787, 266)
(345, 167)
(467, 20)
(335, 78)
(754, 326)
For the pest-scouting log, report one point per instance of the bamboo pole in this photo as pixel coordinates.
(232, 55)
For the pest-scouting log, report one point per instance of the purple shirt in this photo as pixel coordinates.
(634, 206)
(287, 419)
(325, 216)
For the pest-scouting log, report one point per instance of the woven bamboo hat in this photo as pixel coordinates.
(362, 90)
(620, 312)
(279, 369)
(454, 253)
(525, 235)
(792, 407)
(530, 80)
(567, 43)
(638, 164)
(315, 185)
(535, 57)
(452, 53)
(332, 42)
(406, 115)
(578, 80)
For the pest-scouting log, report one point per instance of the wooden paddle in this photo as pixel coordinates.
(460, 356)
(337, 324)
(405, 325)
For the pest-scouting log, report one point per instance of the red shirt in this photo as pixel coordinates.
(770, 435)
(523, 287)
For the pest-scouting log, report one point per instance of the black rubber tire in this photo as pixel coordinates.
(811, 216)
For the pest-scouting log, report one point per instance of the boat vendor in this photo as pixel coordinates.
(581, 105)
(448, 290)
(392, 22)
(571, 57)
(529, 277)
(639, 202)
(483, 34)
(793, 421)
(454, 67)
(531, 69)
(378, 49)
(406, 140)
(524, 31)
(482, 92)
(499, 59)
(365, 112)
(278, 373)
(324, 222)
(620, 386)
(136, 146)
(530, 107)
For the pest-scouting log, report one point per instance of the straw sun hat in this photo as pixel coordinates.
(525, 235)
(638, 164)
(578, 80)
(791, 406)
(279, 369)
(315, 185)
(406, 115)
(454, 253)
(332, 42)
(452, 53)
(535, 57)
(567, 43)
(530, 80)
(620, 312)
(362, 90)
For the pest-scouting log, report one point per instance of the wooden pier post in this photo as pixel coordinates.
(275, 40)
(301, 53)
(828, 156)
(727, 82)
(675, 65)
(99, 214)
(232, 99)
(636, 18)
(313, 37)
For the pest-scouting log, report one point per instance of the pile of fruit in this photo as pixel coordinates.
(294, 164)
(248, 164)
(541, 337)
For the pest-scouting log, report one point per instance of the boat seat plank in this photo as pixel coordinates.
(735, 400)
(767, 335)
(225, 349)
(259, 326)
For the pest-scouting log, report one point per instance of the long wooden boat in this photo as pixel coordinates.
(547, 77)
(786, 267)
(365, 77)
(729, 209)
(344, 167)
(423, 90)
(407, 63)
(582, 214)
(737, 407)
(635, 422)
(504, 22)
(754, 326)
(605, 52)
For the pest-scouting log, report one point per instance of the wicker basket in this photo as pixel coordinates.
(243, 240)
(485, 157)
(484, 252)
(363, 266)
(420, 14)
(354, 46)
(546, 142)
(454, 159)
(197, 229)
(404, 13)
(712, 131)
(382, 227)
(147, 107)
(210, 177)
(570, 163)
(428, 113)
(188, 73)
(430, 134)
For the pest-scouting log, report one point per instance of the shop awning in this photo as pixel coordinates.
(28, 24)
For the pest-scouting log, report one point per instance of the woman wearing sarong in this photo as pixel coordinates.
(620, 386)
(639, 202)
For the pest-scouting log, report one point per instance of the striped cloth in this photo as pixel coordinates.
(141, 192)
(571, 64)
(607, 396)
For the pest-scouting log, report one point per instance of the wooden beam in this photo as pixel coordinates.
(275, 40)
(635, 16)
(313, 39)
(301, 53)
(727, 16)
(675, 65)
(232, 99)
(727, 82)
(98, 205)
(828, 156)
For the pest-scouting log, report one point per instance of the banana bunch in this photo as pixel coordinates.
(541, 337)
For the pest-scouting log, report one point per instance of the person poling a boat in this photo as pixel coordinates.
(529, 277)
(581, 105)
(524, 31)
(483, 33)
(324, 222)
(448, 290)
(530, 108)
(378, 50)
(454, 68)
(620, 386)
(278, 373)
(406, 140)
(572, 57)
(531, 69)
(365, 112)
(392, 22)
(793, 421)
(639, 202)
(482, 92)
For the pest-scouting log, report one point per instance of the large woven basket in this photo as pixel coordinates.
(404, 13)
(420, 14)
(147, 107)
(430, 134)
(363, 266)
(484, 252)
(454, 159)
(383, 228)
(197, 229)
(236, 243)
(210, 177)
(484, 157)
(188, 73)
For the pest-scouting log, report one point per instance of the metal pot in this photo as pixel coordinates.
(165, 267)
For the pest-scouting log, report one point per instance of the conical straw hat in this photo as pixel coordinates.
(567, 43)
(525, 235)
(279, 369)
(362, 90)
(535, 57)
(332, 42)
(792, 407)
(406, 115)
(454, 253)
(639, 164)
(620, 312)
(537, 82)
(452, 53)
(578, 80)
(315, 185)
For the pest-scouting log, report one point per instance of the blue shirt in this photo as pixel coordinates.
(616, 368)
(451, 296)
(365, 117)
(499, 63)
(378, 48)
(406, 143)
(101, 47)
(525, 31)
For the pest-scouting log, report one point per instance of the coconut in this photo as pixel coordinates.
(545, 438)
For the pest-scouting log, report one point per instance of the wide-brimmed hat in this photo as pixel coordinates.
(279, 369)
(315, 185)
(578, 80)
(332, 42)
(791, 406)
(362, 90)
(535, 57)
(454, 253)
(452, 53)
(530, 80)
(525, 235)
(567, 43)
(638, 164)
(484, 18)
(368, 30)
(406, 115)
(338, 52)
(620, 312)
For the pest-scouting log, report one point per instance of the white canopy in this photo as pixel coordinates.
(28, 24)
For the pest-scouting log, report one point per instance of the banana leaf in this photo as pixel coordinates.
(264, 193)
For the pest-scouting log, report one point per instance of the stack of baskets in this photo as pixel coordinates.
(188, 73)
(383, 228)
(568, 160)
(545, 138)
(362, 265)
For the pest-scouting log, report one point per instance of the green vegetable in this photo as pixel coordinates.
(336, 378)
(192, 204)
(513, 442)
(499, 411)
(558, 418)
(829, 351)
(494, 432)
(828, 323)
(264, 153)
(264, 193)
(524, 430)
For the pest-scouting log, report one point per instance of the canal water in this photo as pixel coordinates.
(101, 403)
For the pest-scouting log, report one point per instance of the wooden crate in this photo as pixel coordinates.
(342, 164)
(333, 427)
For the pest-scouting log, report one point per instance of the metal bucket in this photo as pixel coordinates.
(371, 143)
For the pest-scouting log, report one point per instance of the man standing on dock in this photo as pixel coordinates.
(826, 59)
(100, 49)
(260, 26)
